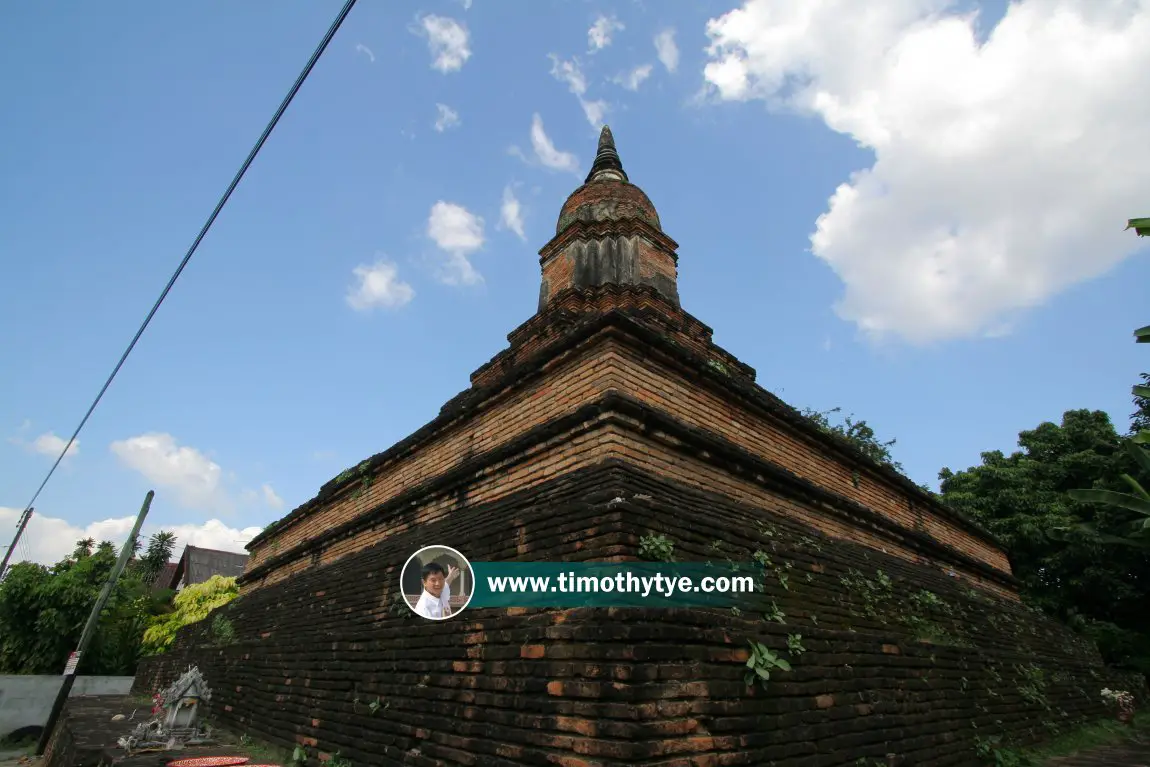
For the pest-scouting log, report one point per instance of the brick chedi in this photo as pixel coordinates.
(612, 415)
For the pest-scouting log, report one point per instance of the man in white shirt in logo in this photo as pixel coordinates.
(435, 601)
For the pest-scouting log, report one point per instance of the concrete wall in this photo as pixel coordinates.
(26, 700)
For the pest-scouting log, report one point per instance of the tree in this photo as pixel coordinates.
(858, 433)
(1138, 533)
(1024, 499)
(159, 553)
(1138, 530)
(43, 611)
(192, 604)
(1140, 418)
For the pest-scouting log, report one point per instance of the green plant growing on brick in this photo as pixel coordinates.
(873, 593)
(735, 611)
(299, 755)
(766, 528)
(928, 600)
(364, 486)
(795, 644)
(337, 761)
(761, 662)
(656, 548)
(223, 632)
(763, 558)
(775, 614)
(1033, 687)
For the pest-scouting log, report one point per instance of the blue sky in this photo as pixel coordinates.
(970, 281)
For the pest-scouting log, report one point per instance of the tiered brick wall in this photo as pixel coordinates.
(478, 448)
(583, 687)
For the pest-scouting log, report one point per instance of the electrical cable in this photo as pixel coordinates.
(203, 232)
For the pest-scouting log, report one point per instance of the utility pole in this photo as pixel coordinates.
(27, 515)
(90, 628)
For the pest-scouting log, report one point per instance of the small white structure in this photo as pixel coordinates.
(176, 724)
(181, 701)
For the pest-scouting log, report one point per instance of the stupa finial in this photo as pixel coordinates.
(607, 162)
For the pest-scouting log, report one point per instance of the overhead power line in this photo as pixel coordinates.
(199, 238)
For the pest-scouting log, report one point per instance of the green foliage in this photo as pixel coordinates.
(858, 433)
(43, 611)
(761, 662)
(192, 604)
(795, 644)
(993, 750)
(657, 548)
(1055, 544)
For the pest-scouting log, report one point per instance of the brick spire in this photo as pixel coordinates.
(608, 234)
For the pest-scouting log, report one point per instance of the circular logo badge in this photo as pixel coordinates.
(437, 582)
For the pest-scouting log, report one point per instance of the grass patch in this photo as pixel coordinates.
(1107, 732)
(23, 739)
(260, 750)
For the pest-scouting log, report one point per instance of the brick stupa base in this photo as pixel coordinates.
(612, 415)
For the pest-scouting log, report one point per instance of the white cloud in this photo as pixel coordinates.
(666, 49)
(448, 118)
(47, 539)
(569, 72)
(378, 285)
(458, 232)
(213, 534)
(511, 213)
(271, 498)
(361, 48)
(599, 35)
(594, 111)
(466, 4)
(448, 41)
(192, 476)
(633, 79)
(545, 151)
(50, 445)
(1002, 171)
